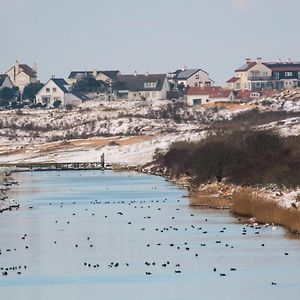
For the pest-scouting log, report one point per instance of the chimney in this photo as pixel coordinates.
(258, 60)
(147, 73)
(17, 68)
(53, 76)
(135, 73)
(289, 60)
(95, 73)
(34, 67)
(248, 60)
(184, 68)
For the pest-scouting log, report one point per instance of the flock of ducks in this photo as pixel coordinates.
(151, 267)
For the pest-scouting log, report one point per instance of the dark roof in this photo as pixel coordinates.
(28, 70)
(80, 74)
(111, 74)
(274, 66)
(80, 95)
(185, 74)
(2, 78)
(233, 79)
(137, 82)
(284, 67)
(61, 83)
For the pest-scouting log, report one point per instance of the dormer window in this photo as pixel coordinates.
(149, 85)
(288, 74)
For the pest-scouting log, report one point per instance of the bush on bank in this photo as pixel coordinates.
(245, 157)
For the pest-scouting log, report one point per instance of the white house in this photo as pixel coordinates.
(22, 75)
(5, 81)
(58, 89)
(191, 78)
(142, 86)
(106, 76)
(199, 96)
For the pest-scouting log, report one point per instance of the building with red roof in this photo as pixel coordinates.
(202, 95)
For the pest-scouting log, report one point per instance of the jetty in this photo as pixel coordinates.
(55, 166)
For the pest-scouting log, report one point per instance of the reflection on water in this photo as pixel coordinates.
(108, 235)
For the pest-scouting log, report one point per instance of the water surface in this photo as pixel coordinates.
(125, 220)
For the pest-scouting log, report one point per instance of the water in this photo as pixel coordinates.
(120, 214)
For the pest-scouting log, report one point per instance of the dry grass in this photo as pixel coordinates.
(230, 106)
(212, 201)
(248, 203)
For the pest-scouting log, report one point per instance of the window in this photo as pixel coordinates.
(288, 74)
(196, 83)
(276, 75)
(48, 90)
(54, 90)
(208, 84)
(197, 76)
(150, 85)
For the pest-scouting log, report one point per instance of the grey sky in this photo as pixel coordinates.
(146, 35)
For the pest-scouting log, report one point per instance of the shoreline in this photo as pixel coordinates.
(213, 196)
(221, 196)
(6, 181)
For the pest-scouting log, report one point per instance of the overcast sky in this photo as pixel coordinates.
(146, 35)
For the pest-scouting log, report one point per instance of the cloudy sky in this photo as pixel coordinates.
(146, 35)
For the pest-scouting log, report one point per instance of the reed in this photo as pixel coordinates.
(248, 203)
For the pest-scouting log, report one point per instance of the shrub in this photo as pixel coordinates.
(242, 157)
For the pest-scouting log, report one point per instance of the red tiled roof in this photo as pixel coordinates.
(220, 94)
(246, 67)
(233, 79)
(202, 90)
(212, 92)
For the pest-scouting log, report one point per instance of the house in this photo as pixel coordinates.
(202, 95)
(142, 86)
(5, 81)
(58, 89)
(245, 95)
(22, 75)
(258, 75)
(107, 76)
(190, 78)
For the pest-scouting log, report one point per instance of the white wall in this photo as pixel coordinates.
(7, 83)
(190, 99)
(51, 95)
(198, 79)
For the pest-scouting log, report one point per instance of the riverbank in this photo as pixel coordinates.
(263, 205)
(6, 181)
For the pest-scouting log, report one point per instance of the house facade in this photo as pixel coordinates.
(22, 75)
(203, 95)
(58, 89)
(5, 81)
(142, 87)
(258, 75)
(190, 78)
(107, 76)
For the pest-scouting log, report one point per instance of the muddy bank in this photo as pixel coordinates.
(221, 195)
(6, 181)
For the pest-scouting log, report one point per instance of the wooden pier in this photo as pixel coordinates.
(62, 166)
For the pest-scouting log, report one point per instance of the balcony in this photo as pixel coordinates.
(260, 78)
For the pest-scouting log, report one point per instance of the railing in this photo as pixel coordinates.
(261, 78)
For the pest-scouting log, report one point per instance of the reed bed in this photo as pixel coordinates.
(248, 203)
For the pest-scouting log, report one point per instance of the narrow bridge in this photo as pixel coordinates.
(48, 166)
